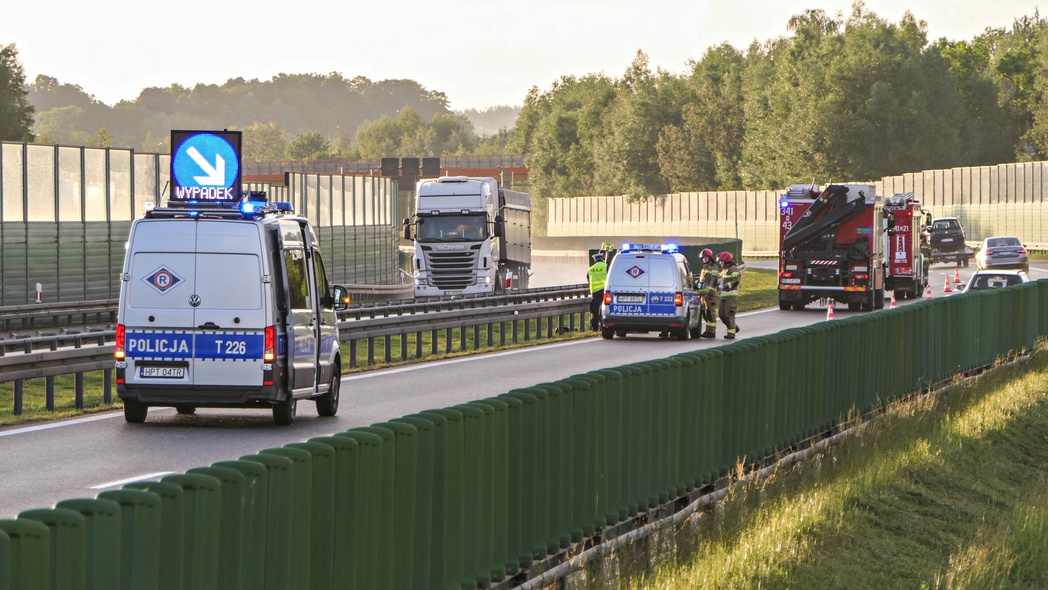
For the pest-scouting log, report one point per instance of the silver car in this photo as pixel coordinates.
(994, 279)
(1002, 252)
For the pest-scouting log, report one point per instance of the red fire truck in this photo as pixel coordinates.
(831, 246)
(907, 253)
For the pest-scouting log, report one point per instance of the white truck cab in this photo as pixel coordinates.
(224, 307)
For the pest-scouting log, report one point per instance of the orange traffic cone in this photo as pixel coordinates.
(956, 275)
(928, 291)
(892, 305)
(946, 288)
(829, 311)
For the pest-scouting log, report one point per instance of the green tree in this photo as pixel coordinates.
(16, 113)
(264, 142)
(380, 139)
(308, 146)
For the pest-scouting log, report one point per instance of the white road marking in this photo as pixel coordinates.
(50, 425)
(147, 477)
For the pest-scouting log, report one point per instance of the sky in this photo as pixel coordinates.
(480, 53)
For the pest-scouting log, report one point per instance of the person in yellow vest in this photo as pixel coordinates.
(597, 275)
(729, 293)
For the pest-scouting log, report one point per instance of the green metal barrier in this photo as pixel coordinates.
(345, 529)
(66, 537)
(366, 513)
(102, 541)
(523, 476)
(170, 531)
(139, 542)
(423, 521)
(449, 511)
(380, 506)
(201, 498)
(231, 510)
(498, 440)
(322, 512)
(404, 493)
(253, 488)
(431, 531)
(5, 560)
(279, 496)
(300, 513)
(29, 565)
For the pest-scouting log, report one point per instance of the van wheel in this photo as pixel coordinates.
(284, 411)
(186, 410)
(135, 411)
(607, 333)
(327, 404)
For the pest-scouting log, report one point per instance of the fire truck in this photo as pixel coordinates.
(831, 246)
(907, 252)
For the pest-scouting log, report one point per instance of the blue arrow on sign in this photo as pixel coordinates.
(205, 167)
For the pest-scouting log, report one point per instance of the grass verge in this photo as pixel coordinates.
(758, 290)
(944, 492)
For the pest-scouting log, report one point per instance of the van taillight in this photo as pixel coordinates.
(678, 299)
(607, 298)
(118, 350)
(270, 353)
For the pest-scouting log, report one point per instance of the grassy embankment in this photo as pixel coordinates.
(758, 290)
(944, 492)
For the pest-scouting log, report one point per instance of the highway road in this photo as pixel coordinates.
(41, 464)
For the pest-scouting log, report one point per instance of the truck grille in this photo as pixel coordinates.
(452, 269)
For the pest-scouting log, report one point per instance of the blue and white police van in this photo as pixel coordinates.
(226, 304)
(650, 288)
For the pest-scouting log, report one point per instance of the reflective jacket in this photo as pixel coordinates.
(597, 274)
(709, 276)
(729, 280)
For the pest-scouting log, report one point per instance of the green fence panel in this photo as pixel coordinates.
(404, 492)
(367, 514)
(512, 484)
(523, 475)
(612, 438)
(280, 478)
(301, 491)
(230, 524)
(449, 511)
(139, 542)
(432, 538)
(383, 505)
(576, 461)
(253, 515)
(499, 483)
(30, 555)
(637, 469)
(102, 541)
(424, 488)
(546, 538)
(171, 523)
(5, 561)
(690, 442)
(598, 401)
(556, 451)
(346, 532)
(67, 540)
(322, 514)
(201, 500)
(476, 571)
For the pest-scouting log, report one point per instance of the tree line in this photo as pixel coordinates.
(835, 98)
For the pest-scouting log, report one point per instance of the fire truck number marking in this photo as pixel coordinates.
(786, 225)
(900, 248)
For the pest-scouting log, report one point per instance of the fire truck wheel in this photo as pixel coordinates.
(878, 299)
(854, 306)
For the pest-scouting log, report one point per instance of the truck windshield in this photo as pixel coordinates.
(452, 228)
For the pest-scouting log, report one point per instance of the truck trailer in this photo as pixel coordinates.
(831, 246)
(471, 236)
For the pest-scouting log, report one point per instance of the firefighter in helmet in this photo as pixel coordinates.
(596, 275)
(729, 293)
(709, 276)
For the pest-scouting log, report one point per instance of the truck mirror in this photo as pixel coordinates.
(407, 228)
(500, 227)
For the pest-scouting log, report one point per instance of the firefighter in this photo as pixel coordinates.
(596, 275)
(709, 275)
(729, 293)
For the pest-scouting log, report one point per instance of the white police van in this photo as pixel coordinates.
(650, 288)
(226, 307)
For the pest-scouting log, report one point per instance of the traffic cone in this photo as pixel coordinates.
(956, 275)
(946, 288)
(829, 311)
(892, 305)
(927, 292)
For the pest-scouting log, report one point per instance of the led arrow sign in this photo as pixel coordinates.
(205, 166)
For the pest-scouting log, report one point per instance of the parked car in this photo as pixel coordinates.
(1002, 252)
(946, 238)
(994, 279)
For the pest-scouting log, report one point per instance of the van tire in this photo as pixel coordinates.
(135, 411)
(284, 411)
(607, 333)
(327, 404)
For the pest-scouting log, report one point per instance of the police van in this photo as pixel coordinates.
(226, 305)
(650, 288)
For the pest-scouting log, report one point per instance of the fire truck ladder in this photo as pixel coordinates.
(838, 210)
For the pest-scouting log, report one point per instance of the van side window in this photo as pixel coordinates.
(297, 279)
(321, 280)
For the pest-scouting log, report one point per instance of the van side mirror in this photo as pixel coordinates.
(341, 297)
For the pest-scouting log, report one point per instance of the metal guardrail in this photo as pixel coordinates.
(502, 319)
(34, 315)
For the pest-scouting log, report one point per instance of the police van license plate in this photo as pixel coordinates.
(629, 299)
(162, 372)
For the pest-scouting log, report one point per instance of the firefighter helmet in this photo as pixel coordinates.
(724, 257)
(707, 254)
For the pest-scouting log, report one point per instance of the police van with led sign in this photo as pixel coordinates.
(226, 304)
(650, 288)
